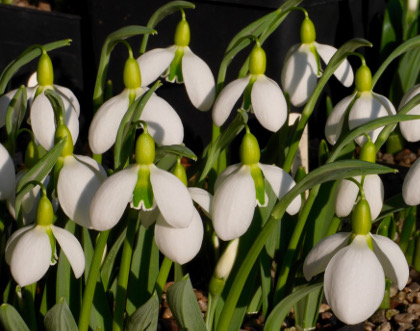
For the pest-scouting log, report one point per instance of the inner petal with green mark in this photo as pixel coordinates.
(143, 192)
(52, 243)
(175, 69)
(258, 178)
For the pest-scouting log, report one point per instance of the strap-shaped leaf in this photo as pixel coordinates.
(178, 150)
(27, 56)
(59, 317)
(146, 317)
(183, 304)
(109, 44)
(15, 115)
(160, 14)
(57, 105)
(10, 319)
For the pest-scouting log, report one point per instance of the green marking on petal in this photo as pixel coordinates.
(143, 192)
(317, 59)
(258, 178)
(175, 69)
(50, 234)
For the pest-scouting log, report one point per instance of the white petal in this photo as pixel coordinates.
(234, 204)
(71, 248)
(32, 80)
(70, 101)
(78, 181)
(104, 126)
(31, 257)
(172, 197)
(354, 282)
(227, 99)
(299, 74)
(281, 183)
(226, 173)
(154, 63)
(202, 197)
(111, 199)
(344, 72)
(268, 103)
(7, 174)
(392, 259)
(13, 240)
(198, 80)
(180, 245)
(4, 104)
(409, 129)
(411, 187)
(163, 121)
(148, 217)
(374, 192)
(321, 254)
(335, 121)
(345, 197)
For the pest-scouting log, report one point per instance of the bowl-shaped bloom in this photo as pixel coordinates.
(267, 101)
(367, 107)
(300, 71)
(7, 174)
(79, 179)
(29, 252)
(196, 74)
(354, 280)
(347, 193)
(410, 129)
(163, 122)
(411, 187)
(169, 194)
(235, 198)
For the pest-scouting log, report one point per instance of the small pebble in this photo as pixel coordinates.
(167, 314)
(413, 297)
(404, 319)
(414, 287)
(378, 317)
(385, 326)
(324, 307)
(390, 313)
(414, 308)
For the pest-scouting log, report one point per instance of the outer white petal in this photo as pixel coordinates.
(154, 63)
(268, 103)
(281, 183)
(374, 191)
(299, 74)
(321, 254)
(411, 187)
(180, 245)
(367, 107)
(111, 199)
(198, 80)
(335, 121)
(13, 240)
(163, 122)
(345, 197)
(234, 204)
(104, 126)
(7, 174)
(70, 101)
(202, 197)
(344, 72)
(31, 257)
(4, 104)
(71, 248)
(392, 259)
(78, 181)
(226, 173)
(409, 129)
(227, 99)
(172, 197)
(354, 282)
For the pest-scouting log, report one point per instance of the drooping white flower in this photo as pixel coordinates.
(411, 187)
(261, 94)
(178, 63)
(354, 281)
(301, 66)
(410, 129)
(7, 174)
(367, 106)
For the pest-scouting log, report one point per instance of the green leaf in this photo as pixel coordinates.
(10, 319)
(15, 115)
(109, 44)
(183, 304)
(391, 28)
(178, 150)
(108, 264)
(146, 317)
(57, 105)
(409, 68)
(282, 309)
(160, 14)
(37, 173)
(60, 318)
(27, 56)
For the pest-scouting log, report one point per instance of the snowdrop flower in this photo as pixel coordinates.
(409, 129)
(163, 122)
(365, 106)
(42, 117)
(411, 187)
(145, 187)
(240, 187)
(261, 94)
(31, 250)
(178, 63)
(7, 174)
(302, 66)
(355, 267)
(78, 180)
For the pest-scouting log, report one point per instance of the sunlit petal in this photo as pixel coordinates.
(7, 174)
(154, 63)
(69, 99)
(13, 240)
(336, 119)
(225, 173)
(4, 104)
(374, 192)
(411, 187)
(345, 197)
(409, 129)
(202, 197)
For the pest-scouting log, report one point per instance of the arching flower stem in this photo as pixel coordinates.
(163, 276)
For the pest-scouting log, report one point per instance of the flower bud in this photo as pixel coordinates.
(368, 152)
(361, 219)
(145, 149)
(257, 61)
(63, 132)
(249, 149)
(132, 75)
(45, 72)
(182, 33)
(307, 31)
(179, 171)
(44, 212)
(31, 155)
(363, 79)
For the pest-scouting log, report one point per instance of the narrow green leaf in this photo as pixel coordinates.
(146, 317)
(15, 115)
(57, 105)
(178, 150)
(183, 304)
(10, 319)
(391, 27)
(27, 56)
(282, 309)
(409, 68)
(59, 317)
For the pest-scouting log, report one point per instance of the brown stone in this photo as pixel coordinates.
(414, 287)
(413, 297)
(390, 313)
(324, 307)
(167, 314)
(385, 326)
(414, 308)
(405, 318)
(378, 317)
